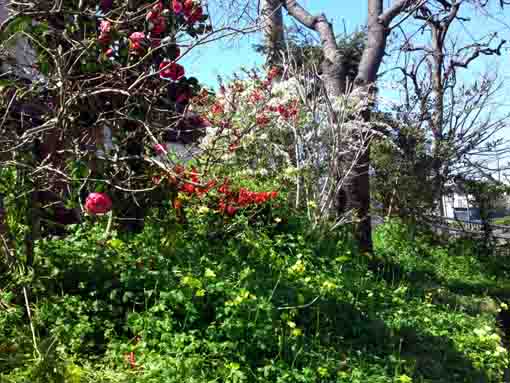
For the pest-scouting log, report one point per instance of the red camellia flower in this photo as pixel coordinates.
(188, 5)
(104, 37)
(171, 70)
(98, 203)
(210, 185)
(151, 16)
(135, 41)
(194, 176)
(158, 26)
(193, 13)
(177, 6)
(231, 210)
(261, 197)
(201, 191)
(158, 8)
(245, 197)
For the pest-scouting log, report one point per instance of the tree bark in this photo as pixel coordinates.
(357, 191)
(274, 38)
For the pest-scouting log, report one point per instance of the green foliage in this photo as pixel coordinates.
(259, 299)
(402, 182)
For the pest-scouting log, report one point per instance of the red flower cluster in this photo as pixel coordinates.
(171, 70)
(262, 119)
(177, 6)
(286, 111)
(247, 197)
(191, 181)
(193, 12)
(231, 202)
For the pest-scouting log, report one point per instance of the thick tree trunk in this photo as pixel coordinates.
(357, 195)
(274, 39)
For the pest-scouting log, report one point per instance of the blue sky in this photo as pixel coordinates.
(224, 58)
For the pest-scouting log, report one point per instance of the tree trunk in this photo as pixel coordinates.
(272, 19)
(356, 193)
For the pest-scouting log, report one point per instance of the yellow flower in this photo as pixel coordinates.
(297, 268)
(328, 286)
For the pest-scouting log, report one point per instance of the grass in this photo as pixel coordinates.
(264, 304)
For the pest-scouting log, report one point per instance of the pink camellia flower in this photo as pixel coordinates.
(135, 40)
(105, 26)
(98, 203)
(159, 149)
(177, 6)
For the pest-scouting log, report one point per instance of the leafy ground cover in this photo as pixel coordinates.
(264, 300)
